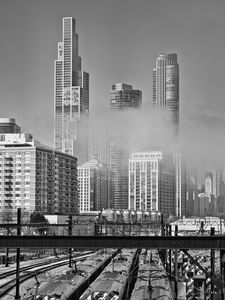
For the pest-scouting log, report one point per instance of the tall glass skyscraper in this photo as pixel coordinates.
(166, 88)
(166, 100)
(71, 95)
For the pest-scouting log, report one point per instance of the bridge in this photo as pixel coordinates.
(215, 242)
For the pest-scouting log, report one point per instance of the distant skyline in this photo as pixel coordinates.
(119, 41)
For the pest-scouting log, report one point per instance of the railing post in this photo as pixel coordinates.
(212, 263)
(7, 253)
(175, 268)
(170, 252)
(70, 233)
(17, 296)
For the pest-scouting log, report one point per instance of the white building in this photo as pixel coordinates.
(34, 177)
(95, 186)
(208, 186)
(152, 182)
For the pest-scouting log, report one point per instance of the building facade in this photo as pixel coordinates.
(208, 185)
(35, 177)
(217, 182)
(95, 186)
(152, 182)
(71, 96)
(122, 98)
(166, 101)
(181, 182)
(166, 88)
(8, 125)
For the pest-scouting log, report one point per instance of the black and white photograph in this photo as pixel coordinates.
(112, 149)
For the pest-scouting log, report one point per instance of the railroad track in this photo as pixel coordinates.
(39, 264)
(9, 285)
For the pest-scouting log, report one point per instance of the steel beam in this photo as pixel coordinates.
(150, 242)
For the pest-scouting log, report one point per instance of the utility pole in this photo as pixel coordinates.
(17, 296)
(170, 252)
(7, 253)
(212, 262)
(175, 268)
(150, 289)
(70, 233)
(222, 271)
(163, 251)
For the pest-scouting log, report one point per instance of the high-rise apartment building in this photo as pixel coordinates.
(122, 98)
(152, 182)
(95, 186)
(166, 88)
(166, 100)
(35, 177)
(71, 95)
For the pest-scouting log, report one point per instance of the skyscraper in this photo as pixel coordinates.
(166, 100)
(151, 182)
(122, 97)
(166, 88)
(71, 95)
(35, 177)
(95, 186)
(217, 182)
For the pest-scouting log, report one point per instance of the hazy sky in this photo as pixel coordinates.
(119, 41)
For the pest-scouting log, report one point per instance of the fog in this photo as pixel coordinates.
(201, 136)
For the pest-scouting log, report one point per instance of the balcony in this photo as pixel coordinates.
(8, 159)
(8, 201)
(9, 195)
(8, 182)
(8, 165)
(8, 171)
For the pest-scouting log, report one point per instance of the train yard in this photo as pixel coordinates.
(105, 274)
(159, 264)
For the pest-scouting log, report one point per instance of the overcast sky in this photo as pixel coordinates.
(119, 41)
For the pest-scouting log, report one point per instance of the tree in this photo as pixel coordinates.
(7, 216)
(37, 217)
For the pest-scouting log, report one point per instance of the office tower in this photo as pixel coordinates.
(202, 207)
(71, 96)
(35, 177)
(95, 186)
(97, 146)
(166, 88)
(152, 182)
(217, 182)
(209, 183)
(122, 98)
(191, 191)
